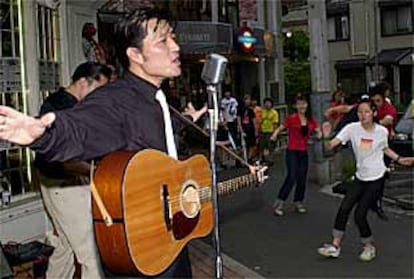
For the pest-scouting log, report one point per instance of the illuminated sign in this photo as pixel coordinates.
(246, 39)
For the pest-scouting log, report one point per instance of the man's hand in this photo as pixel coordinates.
(260, 172)
(195, 114)
(328, 113)
(326, 129)
(388, 120)
(21, 129)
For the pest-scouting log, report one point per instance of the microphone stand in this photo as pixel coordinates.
(213, 121)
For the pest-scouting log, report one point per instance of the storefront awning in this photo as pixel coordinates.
(388, 3)
(204, 37)
(350, 64)
(391, 56)
(337, 7)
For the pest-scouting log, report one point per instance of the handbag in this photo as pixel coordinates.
(17, 253)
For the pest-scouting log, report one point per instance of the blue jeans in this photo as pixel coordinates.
(297, 172)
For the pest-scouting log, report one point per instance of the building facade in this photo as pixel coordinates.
(372, 41)
(369, 41)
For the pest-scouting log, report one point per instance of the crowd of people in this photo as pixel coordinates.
(367, 123)
(93, 117)
(248, 126)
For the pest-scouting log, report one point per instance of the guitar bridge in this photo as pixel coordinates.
(166, 207)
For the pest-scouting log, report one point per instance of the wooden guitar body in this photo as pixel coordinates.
(157, 204)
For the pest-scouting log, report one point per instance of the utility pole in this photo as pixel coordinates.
(214, 11)
(275, 26)
(319, 60)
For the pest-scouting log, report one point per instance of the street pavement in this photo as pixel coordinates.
(285, 247)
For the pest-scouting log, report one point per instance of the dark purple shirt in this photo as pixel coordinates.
(123, 115)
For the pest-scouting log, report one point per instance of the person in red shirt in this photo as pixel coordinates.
(337, 101)
(386, 112)
(300, 126)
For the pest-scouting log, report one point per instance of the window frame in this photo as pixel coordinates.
(395, 8)
(338, 18)
(13, 30)
(48, 39)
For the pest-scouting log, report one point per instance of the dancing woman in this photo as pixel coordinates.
(300, 126)
(369, 143)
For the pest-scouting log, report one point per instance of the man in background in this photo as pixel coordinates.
(229, 106)
(65, 187)
(268, 124)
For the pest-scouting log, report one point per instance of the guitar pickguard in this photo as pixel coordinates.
(183, 226)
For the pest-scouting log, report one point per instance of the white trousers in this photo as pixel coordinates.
(69, 207)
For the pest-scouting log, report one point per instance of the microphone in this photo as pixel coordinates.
(213, 69)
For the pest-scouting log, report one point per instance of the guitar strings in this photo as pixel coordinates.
(203, 193)
(200, 191)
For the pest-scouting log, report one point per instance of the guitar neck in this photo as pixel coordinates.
(230, 186)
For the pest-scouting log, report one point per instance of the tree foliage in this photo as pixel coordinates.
(297, 78)
(297, 46)
(297, 66)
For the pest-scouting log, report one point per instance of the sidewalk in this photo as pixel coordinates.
(202, 258)
(285, 247)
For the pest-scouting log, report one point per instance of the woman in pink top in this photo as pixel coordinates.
(300, 126)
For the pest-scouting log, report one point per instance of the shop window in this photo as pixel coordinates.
(396, 20)
(190, 10)
(14, 160)
(48, 49)
(48, 30)
(338, 27)
(231, 12)
(9, 31)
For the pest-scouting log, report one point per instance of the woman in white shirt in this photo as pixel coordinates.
(369, 143)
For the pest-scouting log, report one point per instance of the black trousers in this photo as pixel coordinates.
(297, 172)
(365, 194)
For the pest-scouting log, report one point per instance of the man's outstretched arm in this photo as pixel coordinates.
(22, 129)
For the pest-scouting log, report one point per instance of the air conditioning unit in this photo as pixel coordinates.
(52, 4)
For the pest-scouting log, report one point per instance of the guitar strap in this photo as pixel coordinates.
(221, 145)
(99, 203)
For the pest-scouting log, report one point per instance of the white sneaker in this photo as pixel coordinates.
(278, 207)
(368, 253)
(329, 250)
(300, 208)
(278, 211)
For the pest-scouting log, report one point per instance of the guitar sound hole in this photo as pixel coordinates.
(190, 200)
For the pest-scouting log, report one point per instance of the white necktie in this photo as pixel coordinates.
(169, 134)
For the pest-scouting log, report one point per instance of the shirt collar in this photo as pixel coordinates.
(147, 89)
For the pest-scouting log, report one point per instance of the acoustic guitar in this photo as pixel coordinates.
(157, 205)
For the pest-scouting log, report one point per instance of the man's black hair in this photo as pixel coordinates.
(267, 99)
(365, 99)
(130, 30)
(91, 71)
(384, 86)
(378, 89)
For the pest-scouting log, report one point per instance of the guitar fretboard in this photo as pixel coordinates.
(229, 186)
